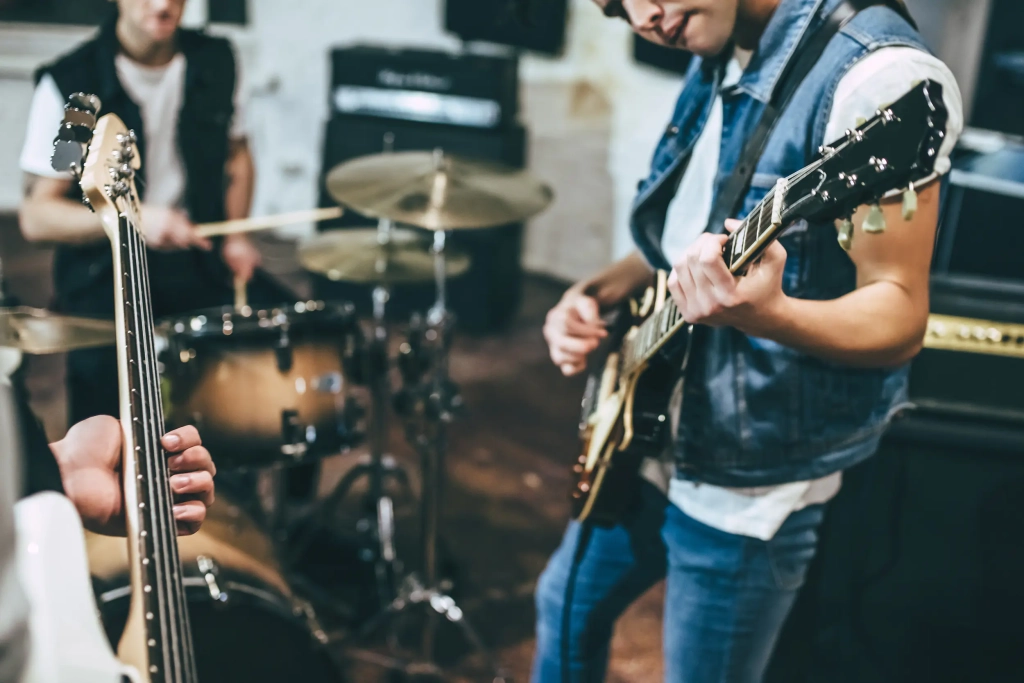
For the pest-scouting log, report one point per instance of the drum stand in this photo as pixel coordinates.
(427, 406)
(378, 465)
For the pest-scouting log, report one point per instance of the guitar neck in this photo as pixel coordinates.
(743, 247)
(158, 598)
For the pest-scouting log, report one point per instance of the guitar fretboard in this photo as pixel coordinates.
(740, 249)
(168, 633)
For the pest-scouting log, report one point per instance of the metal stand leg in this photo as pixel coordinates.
(378, 466)
(431, 404)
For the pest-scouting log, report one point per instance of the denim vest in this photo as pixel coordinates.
(754, 412)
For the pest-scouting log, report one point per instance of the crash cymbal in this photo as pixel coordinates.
(437, 192)
(358, 256)
(34, 330)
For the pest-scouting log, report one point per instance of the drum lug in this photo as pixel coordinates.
(328, 383)
(284, 355)
(292, 434)
(210, 570)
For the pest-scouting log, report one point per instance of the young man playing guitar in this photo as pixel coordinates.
(796, 367)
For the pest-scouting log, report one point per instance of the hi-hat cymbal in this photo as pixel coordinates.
(437, 192)
(37, 331)
(358, 256)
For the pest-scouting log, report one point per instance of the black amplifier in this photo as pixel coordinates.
(972, 366)
(459, 89)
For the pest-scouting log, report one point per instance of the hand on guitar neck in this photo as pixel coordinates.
(707, 293)
(90, 464)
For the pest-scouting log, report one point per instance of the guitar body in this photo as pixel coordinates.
(68, 644)
(625, 421)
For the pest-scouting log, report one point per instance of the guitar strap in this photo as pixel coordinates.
(796, 69)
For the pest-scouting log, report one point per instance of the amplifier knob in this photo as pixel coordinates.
(980, 334)
(938, 330)
(994, 335)
(965, 332)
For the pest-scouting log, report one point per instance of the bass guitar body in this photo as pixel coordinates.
(625, 418)
(68, 644)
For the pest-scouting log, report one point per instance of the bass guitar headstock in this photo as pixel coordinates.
(101, 153)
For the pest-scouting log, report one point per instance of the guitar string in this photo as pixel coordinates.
(159, 566)
(183, 622)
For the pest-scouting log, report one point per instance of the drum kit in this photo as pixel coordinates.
(276, 386)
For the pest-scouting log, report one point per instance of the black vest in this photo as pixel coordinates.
(83, 274)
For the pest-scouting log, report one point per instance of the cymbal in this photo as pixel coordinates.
(358, 256)
(437, 192)
(38, 331)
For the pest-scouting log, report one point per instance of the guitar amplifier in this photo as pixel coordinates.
(471, 90)
(972, 364)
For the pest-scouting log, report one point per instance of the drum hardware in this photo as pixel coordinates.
(428, 401)
(377, 527)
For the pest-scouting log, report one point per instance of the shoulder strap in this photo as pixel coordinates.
(793, 74)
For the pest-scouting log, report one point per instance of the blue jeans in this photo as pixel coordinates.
(726, 599)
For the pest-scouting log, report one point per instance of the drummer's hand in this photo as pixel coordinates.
(169, 229)
(241, 255)
(90, 464)
(573, 329)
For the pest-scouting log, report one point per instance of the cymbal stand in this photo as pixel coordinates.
(428, 402)
(379, 464)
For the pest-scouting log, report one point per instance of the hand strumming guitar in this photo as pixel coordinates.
(573, 329)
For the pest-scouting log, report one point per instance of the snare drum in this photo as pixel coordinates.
(263, 386)
(247, 626)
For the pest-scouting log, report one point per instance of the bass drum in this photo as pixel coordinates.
(247, 626)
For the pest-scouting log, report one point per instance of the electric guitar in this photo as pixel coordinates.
(625, 407)
(157, 640)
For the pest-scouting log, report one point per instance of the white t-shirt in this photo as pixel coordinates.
(159, 92)
(879, 79)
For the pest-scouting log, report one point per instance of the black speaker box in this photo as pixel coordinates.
(537, 25)
(918, 571)
(485, 297)
(432, 86)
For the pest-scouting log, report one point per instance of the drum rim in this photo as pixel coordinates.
(263, 319)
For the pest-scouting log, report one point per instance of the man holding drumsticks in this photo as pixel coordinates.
(178, 90)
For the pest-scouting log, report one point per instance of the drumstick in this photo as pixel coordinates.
(267, 222)
(240, 293)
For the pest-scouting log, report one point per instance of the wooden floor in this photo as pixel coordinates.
(504, 504)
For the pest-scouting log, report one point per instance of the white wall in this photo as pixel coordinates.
(593, 115)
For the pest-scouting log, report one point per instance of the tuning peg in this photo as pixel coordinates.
(85, 102)
(846, 234)
(875, 221)
(909, 203)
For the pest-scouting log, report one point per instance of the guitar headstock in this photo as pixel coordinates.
(101, 153)
(892, 151)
